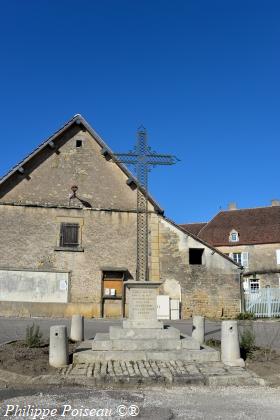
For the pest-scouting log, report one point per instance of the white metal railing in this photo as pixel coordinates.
(263, 302)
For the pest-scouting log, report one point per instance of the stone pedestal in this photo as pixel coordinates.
(77, 328)
(230, 350)
(198, 329)
(142, 336)
(58, 353)
(142, 305)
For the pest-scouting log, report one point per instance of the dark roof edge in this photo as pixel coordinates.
(192, 223)
(236, 244)
(201, 241)
(95, 135)
(246, 209)
(38, 149)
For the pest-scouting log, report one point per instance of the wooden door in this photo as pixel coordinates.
(112, 294)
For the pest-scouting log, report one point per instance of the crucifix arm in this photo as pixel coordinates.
(128, 158)
(153, 159)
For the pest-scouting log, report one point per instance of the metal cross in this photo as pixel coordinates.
(143, 158)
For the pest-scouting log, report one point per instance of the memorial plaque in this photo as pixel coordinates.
(142, 308)
(142, 304)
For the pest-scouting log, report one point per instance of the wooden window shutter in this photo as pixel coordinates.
(245, 259)
(69, 235)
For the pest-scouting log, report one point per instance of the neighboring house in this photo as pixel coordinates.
(251, 237)
(68, 238)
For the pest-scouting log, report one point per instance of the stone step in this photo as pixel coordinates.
(136, 344)
(117, 333)
(204, 355)
(149, 323)
(189, 343)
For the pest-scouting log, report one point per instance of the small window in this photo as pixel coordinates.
(69, 235)
(278, 256)
(240, 258)
(195, 256)
(79, 143)
(233, 236)
(237, 257)
(254, 285)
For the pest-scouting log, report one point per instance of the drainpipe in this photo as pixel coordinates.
(242, 297)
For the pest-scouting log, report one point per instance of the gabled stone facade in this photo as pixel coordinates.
(36, 199)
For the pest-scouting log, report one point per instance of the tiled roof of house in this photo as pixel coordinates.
(254, 226)
(194, 228)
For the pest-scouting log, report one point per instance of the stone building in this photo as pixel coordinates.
(68, 238)
(251, 237)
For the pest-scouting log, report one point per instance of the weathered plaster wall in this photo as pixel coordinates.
(33, 286)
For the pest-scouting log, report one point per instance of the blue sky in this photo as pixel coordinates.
(202, 76)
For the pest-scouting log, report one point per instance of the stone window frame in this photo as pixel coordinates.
(70, 220)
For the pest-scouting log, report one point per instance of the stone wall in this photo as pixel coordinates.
(48, 177)
(211, 289)
(30, 239)
(262, 260)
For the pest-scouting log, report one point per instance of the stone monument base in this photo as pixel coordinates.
(136, 344)
(142, 336)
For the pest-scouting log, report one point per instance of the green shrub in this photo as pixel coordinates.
(246, 315)
(247, 343)
(33, 336)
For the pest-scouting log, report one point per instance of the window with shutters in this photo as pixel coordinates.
(236, 256)
(69, 235)
(245, 259)
(241, 258)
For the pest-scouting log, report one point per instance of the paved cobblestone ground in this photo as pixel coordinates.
(143, 372)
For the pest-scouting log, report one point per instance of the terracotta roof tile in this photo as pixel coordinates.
(194, 228)
(254, 226)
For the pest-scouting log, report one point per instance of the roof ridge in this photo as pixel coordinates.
(192, 223)
(77, 118)
(248, 208)
(38, 148)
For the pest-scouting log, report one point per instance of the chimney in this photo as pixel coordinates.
(275, 202)
(232, 205)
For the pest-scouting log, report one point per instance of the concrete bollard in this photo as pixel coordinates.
(77, 328)
(58, 351)
(198, 328)
(230, 349)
